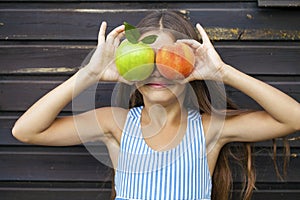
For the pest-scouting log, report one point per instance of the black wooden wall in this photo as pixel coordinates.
(42, 43)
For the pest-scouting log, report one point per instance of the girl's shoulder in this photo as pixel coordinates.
(212, 126)
(112, 120)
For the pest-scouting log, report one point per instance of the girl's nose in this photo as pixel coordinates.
(155, 72)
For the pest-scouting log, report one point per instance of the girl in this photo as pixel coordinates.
(172, 142)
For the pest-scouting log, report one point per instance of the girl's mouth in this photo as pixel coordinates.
(157, 85)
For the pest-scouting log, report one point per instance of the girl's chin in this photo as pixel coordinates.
(161, 95)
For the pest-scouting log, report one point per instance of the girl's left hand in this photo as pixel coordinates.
(208, 64)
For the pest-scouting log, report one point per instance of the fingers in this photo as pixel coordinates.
(117, 40)
(195, 44)
(192, 43)
(203, 34)
(101, 34)
(113, 37)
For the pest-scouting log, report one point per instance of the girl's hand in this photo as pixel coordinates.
(208, 65)
(101, 65)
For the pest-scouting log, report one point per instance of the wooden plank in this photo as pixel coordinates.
(278, 3)
(223, 21)
(118, 1)
(55, 194)
(103, 194)
(57, 166)
(262, 59)
(54, 190)
(60, 24)
(249, 24)
(62, 166)
(64, 59)
(271, 194)
(47, 59)
(265, 170)
(7, 122)
(25, 93)
(34, 191)
(277, 190)
(246, 102)
(42, 59)
(31, 91)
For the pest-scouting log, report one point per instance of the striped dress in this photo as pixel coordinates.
(179, 173)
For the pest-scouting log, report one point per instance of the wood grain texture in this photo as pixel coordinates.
(261, 58)
(42, 43)
(242, 21)
(278, 3)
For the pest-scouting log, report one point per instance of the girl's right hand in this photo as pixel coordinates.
(101, 65)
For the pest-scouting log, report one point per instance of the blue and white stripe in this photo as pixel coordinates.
(179, 173)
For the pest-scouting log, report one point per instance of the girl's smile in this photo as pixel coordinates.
(159, 83)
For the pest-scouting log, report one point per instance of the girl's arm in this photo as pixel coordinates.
(40, 125)
(281, 114)
(280, 117)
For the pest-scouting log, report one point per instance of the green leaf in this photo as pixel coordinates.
(132, 33)
(149, 39)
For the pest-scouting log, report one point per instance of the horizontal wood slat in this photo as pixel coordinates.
(274, 195)
(34, 59)
(118, 1)
(69, 163)
(25, 93)
(57, 191)
(52, 167)
(7, 140)
(104, 194)
(255, 58)
(54, 191)
(223, 21)
(278, 3)
(291, 88)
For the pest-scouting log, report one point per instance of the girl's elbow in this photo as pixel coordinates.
(19, 134)
(297, 122)
(295, 119)
(294, 127)
(297, 128)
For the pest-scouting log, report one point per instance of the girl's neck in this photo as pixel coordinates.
(159, 112)
(163, 127)
(156, 115)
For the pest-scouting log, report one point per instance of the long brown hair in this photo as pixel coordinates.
(221, 178)
(240, 153)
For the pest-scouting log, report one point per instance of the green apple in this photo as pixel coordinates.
(135, 62)
(134, 57)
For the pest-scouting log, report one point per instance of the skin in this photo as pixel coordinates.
(166, 115)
